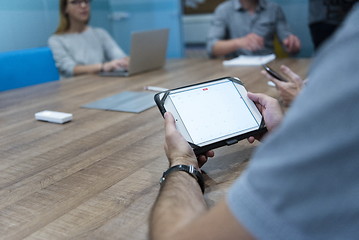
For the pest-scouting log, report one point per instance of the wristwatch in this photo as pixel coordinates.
(190, 169)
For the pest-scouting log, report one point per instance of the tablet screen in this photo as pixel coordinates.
(213, 111)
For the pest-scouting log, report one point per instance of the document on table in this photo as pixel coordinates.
(134, 102)
(243, 60)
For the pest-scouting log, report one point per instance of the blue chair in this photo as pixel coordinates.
(27, 67)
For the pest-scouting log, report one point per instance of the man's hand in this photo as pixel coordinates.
(251, 42)
(180, 211)
(270, 109)
(292, 44)
(287, 90)
(177, 149)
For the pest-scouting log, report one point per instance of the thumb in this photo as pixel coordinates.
(170, 125)
(252, 96)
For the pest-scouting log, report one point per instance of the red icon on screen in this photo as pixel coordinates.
(205, 89)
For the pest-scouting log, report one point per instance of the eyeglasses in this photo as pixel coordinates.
(79, 2)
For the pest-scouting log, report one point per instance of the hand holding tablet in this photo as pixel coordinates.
(212, 114)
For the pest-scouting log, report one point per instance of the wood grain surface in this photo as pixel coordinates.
(97, 176)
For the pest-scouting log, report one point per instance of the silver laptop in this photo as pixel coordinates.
(148, 52)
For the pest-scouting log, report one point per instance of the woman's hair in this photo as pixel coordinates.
(64, 24)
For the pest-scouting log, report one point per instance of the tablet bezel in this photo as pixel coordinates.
(162, 97)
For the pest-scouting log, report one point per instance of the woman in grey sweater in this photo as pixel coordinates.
(81, 49)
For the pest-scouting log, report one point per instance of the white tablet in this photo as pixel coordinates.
(213, 113)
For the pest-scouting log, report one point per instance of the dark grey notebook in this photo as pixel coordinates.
(134, 102)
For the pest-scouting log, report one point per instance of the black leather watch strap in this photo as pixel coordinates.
(191, 170)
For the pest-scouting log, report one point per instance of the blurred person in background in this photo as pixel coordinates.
(249, 27)
(81, 49)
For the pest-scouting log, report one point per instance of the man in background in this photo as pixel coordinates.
(248, 27)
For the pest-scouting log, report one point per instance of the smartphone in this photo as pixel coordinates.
(212, 114)
(274, 74)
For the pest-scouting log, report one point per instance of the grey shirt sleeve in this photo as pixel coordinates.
(303, 182)
(111, 49)
(218, 28)
(92, 46)
(63, 59)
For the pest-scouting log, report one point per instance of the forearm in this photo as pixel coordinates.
(87, 69)
(180, 211)
(180, 202)
(224, 47)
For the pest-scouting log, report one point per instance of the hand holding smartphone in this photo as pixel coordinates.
(274, 74)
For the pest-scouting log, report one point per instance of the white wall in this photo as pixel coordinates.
(195, 28)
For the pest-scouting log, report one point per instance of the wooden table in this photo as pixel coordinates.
(98, 176)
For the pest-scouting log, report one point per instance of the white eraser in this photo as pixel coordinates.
(52, 116)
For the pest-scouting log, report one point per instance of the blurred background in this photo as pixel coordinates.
(29, 23)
